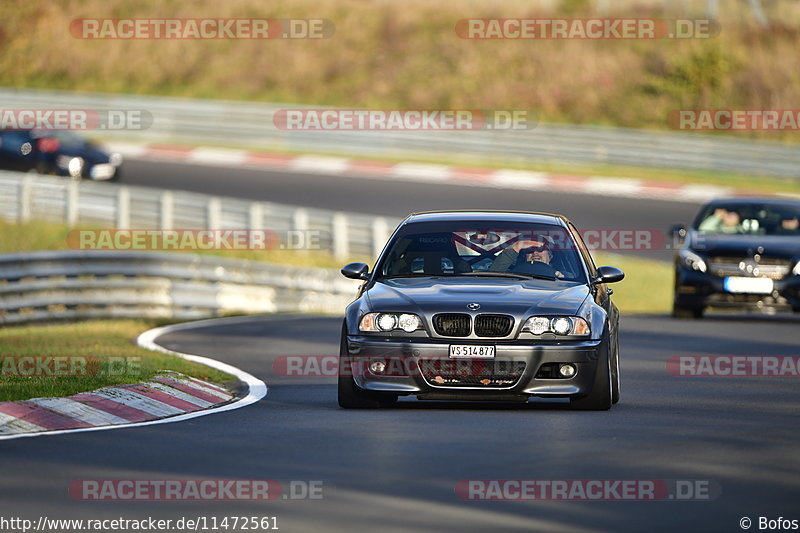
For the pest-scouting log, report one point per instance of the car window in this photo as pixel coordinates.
(434, 249)
(749, 219)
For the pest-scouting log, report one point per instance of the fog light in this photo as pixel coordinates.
(566, 371)
(377, 366)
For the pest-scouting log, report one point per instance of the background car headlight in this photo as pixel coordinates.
(692, 260)
(75, 166)
(560, 325)
(390, 321)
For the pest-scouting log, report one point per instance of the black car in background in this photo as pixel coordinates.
(739, 253)
(62, 153)
(482, 306)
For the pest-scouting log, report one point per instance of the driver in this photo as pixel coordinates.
(722, 221)
(531, 256)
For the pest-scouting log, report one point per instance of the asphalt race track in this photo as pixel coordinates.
(396, 469)
(395, 198)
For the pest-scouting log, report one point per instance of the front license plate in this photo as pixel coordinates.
(748, 285)
(472, 351)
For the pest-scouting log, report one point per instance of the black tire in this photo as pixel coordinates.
(601, 396)
(350, 396)
(615, 379)
(679, 311)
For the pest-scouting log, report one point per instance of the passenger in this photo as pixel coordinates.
(789, 225)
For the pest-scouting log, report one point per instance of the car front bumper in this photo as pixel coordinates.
(697, 289)
(422, 367)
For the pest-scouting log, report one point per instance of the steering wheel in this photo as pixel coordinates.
(537, 268)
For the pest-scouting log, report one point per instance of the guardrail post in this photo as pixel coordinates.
(213, 213)
(340, 235)
(256, 216)
(167, 204)
(380, 232)
(71, 207)
(25, 193)
(300, 220)
(123, 208)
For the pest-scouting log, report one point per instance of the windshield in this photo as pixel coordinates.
(67, 138)
(750, 219)
(487, 249)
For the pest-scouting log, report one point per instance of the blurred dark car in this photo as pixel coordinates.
(741, 253)
(62, 153)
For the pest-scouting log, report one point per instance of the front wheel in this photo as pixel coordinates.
(615, 380)
(601, 397)
(350, 396)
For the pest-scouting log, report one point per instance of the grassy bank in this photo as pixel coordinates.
(95, 354)
(407, 55)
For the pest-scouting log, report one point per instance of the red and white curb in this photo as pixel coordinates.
(432, 173)
(168, 397)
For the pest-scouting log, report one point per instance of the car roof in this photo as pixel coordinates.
(744, 200)
(483, 215)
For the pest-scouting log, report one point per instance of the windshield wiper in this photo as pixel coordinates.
(507, 275)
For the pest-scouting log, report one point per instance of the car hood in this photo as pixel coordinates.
(429, 295)
(777, 246)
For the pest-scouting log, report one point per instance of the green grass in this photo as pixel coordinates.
(647, 287)
(407, 55)
(108, 356)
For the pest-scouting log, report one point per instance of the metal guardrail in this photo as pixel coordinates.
(251, 124)
(77, 284)
(55, 285)
(26, 197)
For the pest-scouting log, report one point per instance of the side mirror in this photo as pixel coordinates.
(356, 271)
(678, 232)
(609, 274)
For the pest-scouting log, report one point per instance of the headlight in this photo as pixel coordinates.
(560, 325)
(692, 260)
(390, 321)
(796, 269)
(115, 159)
(75, 166)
